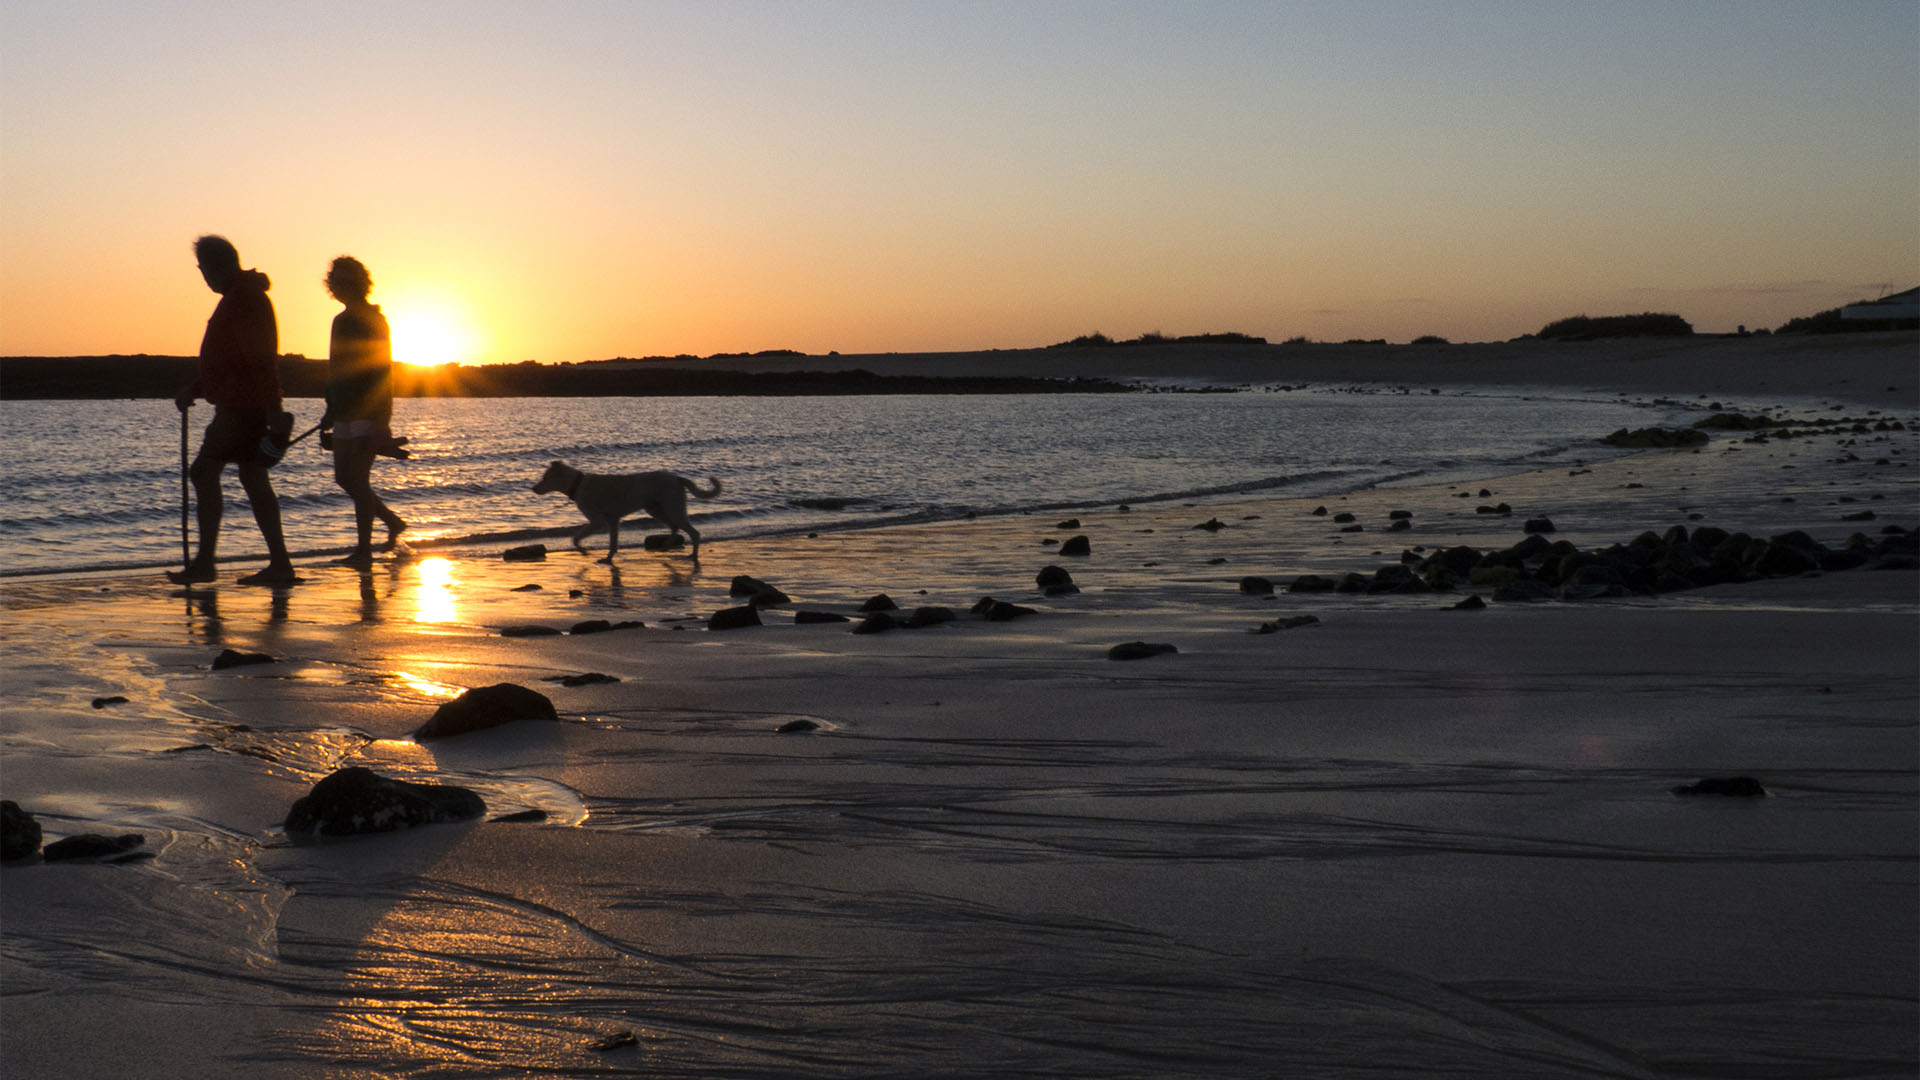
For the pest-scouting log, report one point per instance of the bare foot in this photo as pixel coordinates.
(194, 572)
(361, 559)
(395, 526)
(272, 575)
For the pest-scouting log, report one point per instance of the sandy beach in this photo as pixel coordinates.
(1402, 839)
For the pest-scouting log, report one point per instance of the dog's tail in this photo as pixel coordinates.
(695, 488)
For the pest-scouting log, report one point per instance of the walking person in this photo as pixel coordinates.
(239, 378)
(359, 402)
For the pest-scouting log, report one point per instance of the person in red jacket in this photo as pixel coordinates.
(238, 377)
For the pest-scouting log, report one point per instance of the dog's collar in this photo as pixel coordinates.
(573, 486)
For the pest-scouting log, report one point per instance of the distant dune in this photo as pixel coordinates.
(1874, 368)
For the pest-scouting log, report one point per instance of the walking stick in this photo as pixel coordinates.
(186, 557)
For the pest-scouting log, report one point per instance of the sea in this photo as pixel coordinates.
(97, 485)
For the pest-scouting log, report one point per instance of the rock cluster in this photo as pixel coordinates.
(1539, 569)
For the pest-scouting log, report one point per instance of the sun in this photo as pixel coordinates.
(430, 334)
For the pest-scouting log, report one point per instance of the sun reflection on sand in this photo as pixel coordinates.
(428, 687)
(434, 601)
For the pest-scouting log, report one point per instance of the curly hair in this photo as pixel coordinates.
(347, 279)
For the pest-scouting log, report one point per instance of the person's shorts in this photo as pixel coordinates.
(234, 435)
(358, 429)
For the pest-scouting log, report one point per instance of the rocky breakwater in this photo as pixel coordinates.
(1652, 563)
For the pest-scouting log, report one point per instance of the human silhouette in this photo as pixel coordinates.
(359, 402)
(239, 378)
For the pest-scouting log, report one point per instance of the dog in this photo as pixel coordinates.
(607, 497)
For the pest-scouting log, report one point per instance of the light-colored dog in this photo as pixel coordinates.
(607, 497)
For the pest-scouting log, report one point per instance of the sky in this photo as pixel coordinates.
(568, 181)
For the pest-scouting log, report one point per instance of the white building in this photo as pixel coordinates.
(1901, 305)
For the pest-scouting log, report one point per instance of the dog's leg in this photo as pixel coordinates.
(613, 540)
(581, 534)
(694, 535)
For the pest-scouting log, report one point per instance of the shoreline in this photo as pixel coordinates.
(998, 849)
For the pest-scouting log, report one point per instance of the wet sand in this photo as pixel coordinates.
(1402, 840)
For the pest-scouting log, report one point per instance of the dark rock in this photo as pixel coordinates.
(19, 832)
(1458, 560)
(1211, 525)
(524, 817)
(734, 618)
(877, 623)
(1051, 578)
(615, 1041)
(529, 587)
(1397, 578)
(668, 541)
(1319, 511)
(1070, 523)
(1001, 611)
(103, 702)
(531, 630)
(881, 602)
(1842, 560)
(1784, 560)
(794, 726)
(1538, 525)
(1800, 541)
(1656, 438)
(1342, 518)
(1312, 583)
(1078, 545)
(356, 800)
(1737, 786)
(807, 617)
(1256, 586)
(486, 707)
(758, 593)
(528, 553)
(1707, 537)
(235, 658)
(1278, 625)
(1400, 525)
(589, 678)
(1138, 650)
(591, 626)
(1353, 528)
(1471, 603)
(928, 616)
(1400, 515)
(1353, 583)
(91, 846)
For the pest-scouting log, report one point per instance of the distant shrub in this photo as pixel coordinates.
(1647, 324)
(1298, 339)
(1364, 341)
(1228, 338)
(1155, 337)
(1431, 339)
(1083, 341)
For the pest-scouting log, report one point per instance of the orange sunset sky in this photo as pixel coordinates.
(573, 181)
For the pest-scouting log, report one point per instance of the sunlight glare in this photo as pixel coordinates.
(427, 334)
(434, 602)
